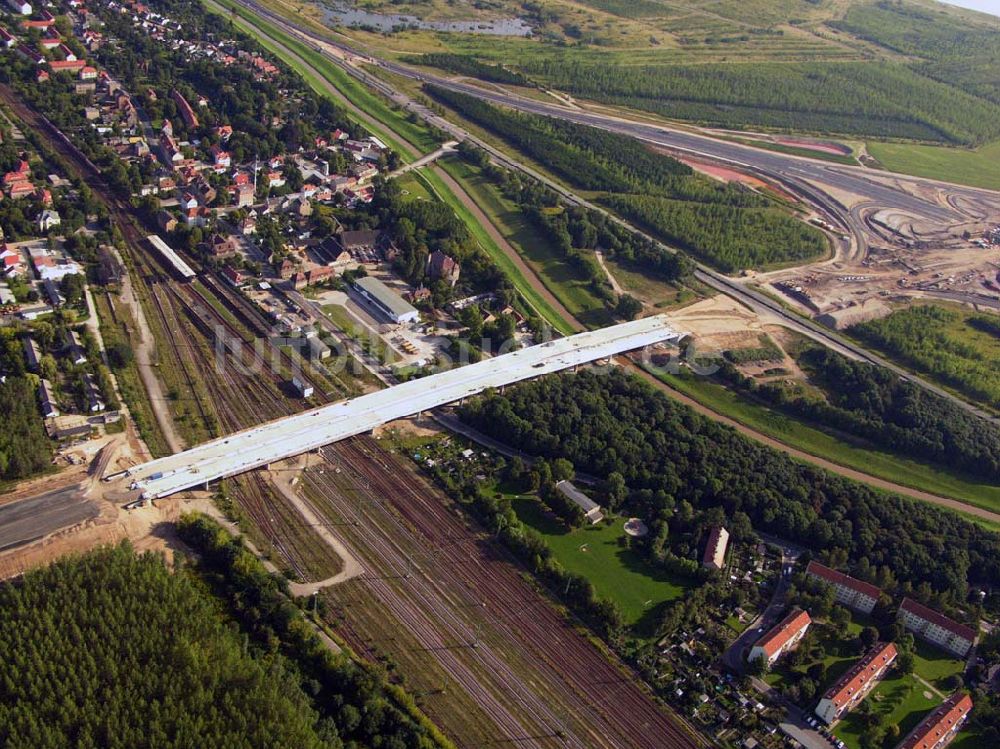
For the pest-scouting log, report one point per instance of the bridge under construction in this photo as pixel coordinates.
(309, 430)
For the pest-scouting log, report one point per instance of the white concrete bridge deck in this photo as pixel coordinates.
(293, 435)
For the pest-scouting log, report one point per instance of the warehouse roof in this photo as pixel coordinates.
(384, 295)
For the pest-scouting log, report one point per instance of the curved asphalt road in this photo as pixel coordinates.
(786, 168)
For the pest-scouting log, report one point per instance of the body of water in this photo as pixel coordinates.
(343, 14)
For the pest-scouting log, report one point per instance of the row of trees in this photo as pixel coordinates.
(588, 157)
(668, 456)
(888, 100)
(469, 65)
(877, 405)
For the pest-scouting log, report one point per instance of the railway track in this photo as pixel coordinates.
(398, 504)
(576, 674)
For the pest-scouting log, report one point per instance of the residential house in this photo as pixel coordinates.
(187, 113)
(48, 219)
(941, 726)
(441, 267)
(591, 510)
(936, 628)
(50, 407)
(73, 348)
(781, 638)
(92, 392)
(714, 557)
(851, 592)
(851, 688)
(32, 354)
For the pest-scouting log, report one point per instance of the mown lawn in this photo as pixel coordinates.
(617, 573)
(935, 665)
(979, 168)
(901, 700)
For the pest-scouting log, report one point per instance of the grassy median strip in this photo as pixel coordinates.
(565, 281)
(801, 436)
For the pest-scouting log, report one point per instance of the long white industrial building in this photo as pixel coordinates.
(293, 435)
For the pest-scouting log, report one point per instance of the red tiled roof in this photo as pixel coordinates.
(932, 616)
(783, 631)
(834, 577)
(67, 64)
(860, 674)
(945, 717)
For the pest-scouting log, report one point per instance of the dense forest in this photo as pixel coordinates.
(352, 698)
(859, 98)
(728, 237)
(469, 65)
(934, 340)
(951, 51)
(25, 448)
(113, 650)
(724, 225)
(618, 428)
(877, 405)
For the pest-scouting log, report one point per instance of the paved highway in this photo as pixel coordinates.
(798, 173)
(35, 517)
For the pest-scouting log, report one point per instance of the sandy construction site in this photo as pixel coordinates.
(896, 254)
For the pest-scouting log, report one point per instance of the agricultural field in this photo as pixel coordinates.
(978, 167)
(601, 554)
